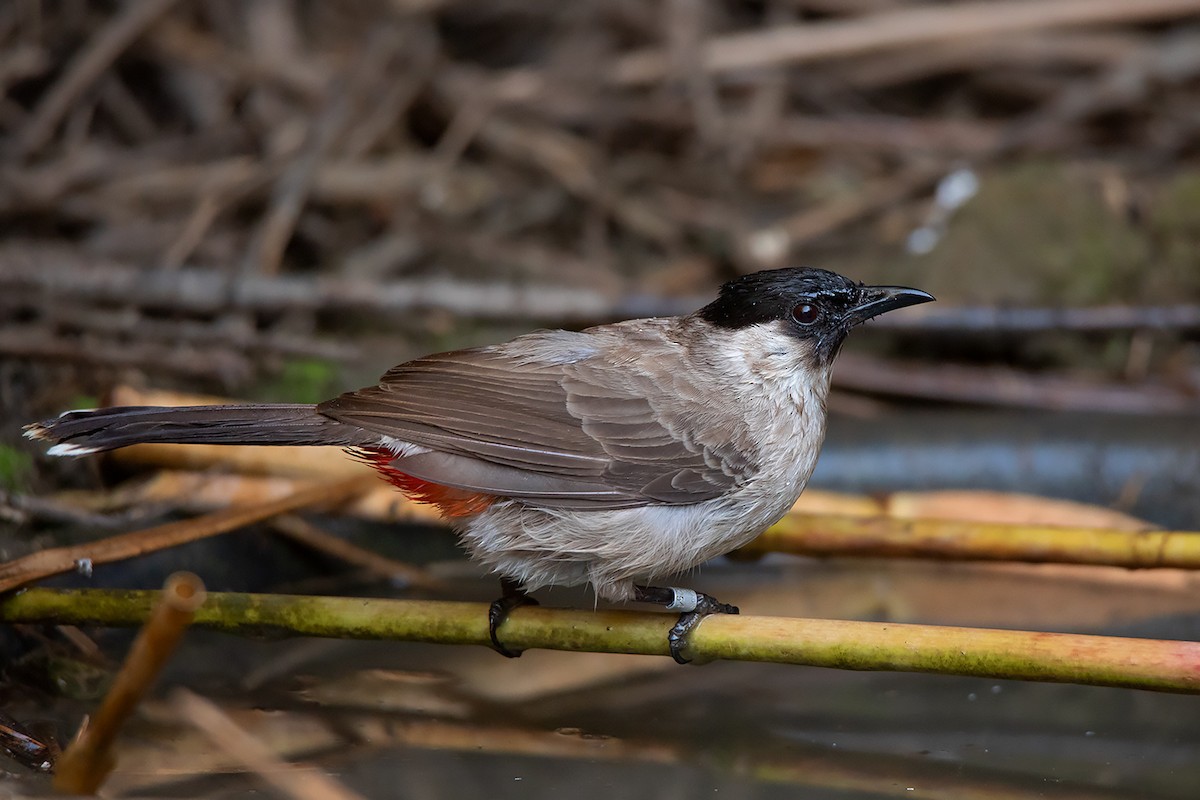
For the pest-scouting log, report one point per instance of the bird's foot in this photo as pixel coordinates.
(513, 596)
(694, 606)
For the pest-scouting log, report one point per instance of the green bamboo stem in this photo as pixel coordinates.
(887, 537)
(1160, 665)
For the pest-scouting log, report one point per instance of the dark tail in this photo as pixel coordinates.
(78, 433)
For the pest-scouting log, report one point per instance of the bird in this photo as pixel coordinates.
(616, 456)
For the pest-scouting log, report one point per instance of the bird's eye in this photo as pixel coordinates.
(806, 313)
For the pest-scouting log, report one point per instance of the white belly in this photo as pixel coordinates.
(614, 549)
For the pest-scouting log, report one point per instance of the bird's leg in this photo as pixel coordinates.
(512, 596)
(694, 605)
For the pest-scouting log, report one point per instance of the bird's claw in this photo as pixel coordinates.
(499, 611)
(677, 638)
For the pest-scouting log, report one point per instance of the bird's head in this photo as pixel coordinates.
(814, 308)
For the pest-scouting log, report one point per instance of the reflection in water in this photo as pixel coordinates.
(1150, 466)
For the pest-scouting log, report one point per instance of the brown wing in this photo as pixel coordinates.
(552, 419)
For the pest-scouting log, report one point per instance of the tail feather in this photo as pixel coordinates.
(77, 433)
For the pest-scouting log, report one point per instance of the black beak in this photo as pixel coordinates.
(876, 300)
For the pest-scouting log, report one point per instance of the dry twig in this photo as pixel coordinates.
(86, 763)
(57, 560)
(23, 747)
(86, 68)
(1000, 386)
(301, 530)
(905, 27)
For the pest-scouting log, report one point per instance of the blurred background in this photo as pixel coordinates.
(278, 200)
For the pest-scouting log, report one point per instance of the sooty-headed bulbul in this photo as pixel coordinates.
(615, 455)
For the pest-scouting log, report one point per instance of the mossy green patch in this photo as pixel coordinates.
(16, 469)
(84, 401)
(302, 380)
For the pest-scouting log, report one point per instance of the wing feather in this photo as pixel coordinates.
(556, 419)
